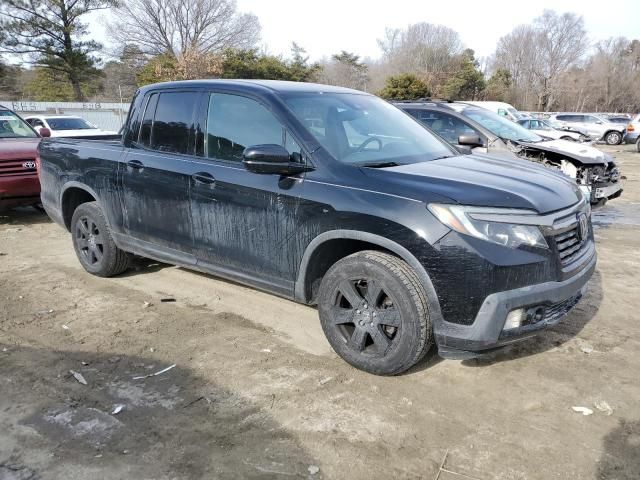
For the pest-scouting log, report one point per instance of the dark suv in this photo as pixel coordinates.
(332, 197)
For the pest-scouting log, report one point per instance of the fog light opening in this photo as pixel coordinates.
(514, 319)
(535, 315)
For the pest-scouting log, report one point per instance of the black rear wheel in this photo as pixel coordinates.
(93, 242)
(373, 311)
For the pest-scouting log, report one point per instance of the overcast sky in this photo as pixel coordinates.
(324, 27)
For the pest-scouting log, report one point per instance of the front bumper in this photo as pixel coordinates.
(631, 137)
(486, 332)
(601, 191)
(19, 191)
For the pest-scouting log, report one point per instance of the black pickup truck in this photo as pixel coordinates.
(334, 198)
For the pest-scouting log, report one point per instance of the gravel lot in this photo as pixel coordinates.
(256, 392)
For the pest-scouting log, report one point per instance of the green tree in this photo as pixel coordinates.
(49, 33)
(466, 82)
(161, 68)
(252, 64)
(299, 68)
(53, 86)
(498, 85)
(9, 81)
(405, 86)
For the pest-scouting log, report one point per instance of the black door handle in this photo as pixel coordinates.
(203, 177)
(135, 164)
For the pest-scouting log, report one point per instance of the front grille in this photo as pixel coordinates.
(569, 245)
(17, 168)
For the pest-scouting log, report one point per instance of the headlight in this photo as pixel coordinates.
(460, 218)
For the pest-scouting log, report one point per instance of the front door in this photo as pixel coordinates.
(243, 222)
(156, 172)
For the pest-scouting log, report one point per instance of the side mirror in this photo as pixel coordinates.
(44, 132)
(470, 141)
(271, 159)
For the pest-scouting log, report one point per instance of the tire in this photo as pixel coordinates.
(638, 144)
(93, 242)
(361, 292)
(568, 139)
(613, 138)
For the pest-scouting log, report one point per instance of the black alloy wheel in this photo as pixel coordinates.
(373, 311)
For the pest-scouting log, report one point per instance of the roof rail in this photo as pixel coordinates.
(423, 99)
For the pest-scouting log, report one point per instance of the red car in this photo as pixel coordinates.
(19, 184)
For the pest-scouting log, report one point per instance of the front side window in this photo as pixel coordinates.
(235, 122)
(34, 122)
(172, 128)
(364, 130)
(68, 123)
(12, 126)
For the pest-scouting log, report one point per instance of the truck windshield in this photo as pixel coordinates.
(68, 123)
(501, 127)
(364, 130)
(12, 126)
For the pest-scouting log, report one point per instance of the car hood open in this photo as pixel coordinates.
(484, 180)
(584, 154)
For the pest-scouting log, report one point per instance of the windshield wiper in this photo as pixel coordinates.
(380, 164)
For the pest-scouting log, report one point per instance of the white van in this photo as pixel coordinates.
(501, 108)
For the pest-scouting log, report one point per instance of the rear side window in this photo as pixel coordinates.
(235, 122)
(445, 125)
(147, 121)
(172, 130)
(569, 118)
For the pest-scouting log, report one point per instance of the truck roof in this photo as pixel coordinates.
(279, 86)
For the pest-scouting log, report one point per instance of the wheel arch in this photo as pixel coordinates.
(612, 130)
(72, 195)
(308, 274)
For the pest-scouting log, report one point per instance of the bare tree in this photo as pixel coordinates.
(537, 56)
(180, 27)
(423, 49)
(344, 69)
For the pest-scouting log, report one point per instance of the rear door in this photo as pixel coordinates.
(156, 172)
(593, 126)
(245, 223)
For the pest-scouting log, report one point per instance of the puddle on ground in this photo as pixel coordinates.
(625, 214)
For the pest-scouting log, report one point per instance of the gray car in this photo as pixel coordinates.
(596, 126)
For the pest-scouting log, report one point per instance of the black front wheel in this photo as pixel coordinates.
(373, 311)
(94, 244)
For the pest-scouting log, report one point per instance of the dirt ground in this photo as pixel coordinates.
(256, 391)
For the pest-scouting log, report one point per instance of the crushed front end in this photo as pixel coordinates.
(598, 180)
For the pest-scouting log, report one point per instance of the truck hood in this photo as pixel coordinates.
(484, 180)
(580, 152)
(18, 148)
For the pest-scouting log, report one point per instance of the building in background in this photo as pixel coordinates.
(107, 116)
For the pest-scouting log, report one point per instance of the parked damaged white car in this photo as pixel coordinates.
(546, 130)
